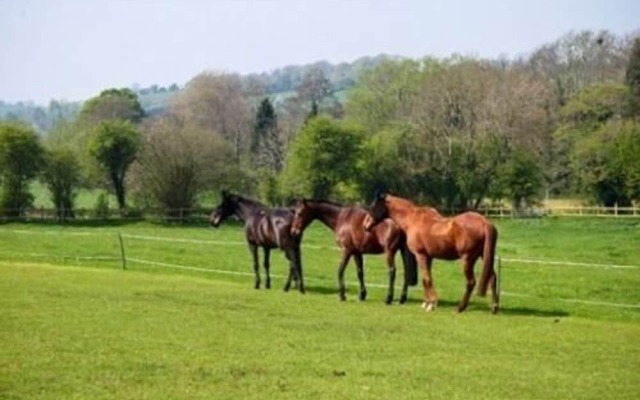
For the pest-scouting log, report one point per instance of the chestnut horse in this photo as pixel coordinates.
(264, 227)
(353, 240)
(467, 236)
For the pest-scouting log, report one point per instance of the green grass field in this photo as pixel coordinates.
(183, 320)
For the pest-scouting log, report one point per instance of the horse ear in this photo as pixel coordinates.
(225, 194)
(378, 195)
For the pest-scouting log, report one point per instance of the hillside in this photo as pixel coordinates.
(279, 84)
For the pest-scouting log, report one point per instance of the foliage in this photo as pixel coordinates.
(324, 155)
(523, 179)
(112, 104)
(21, 158)
(266, 144)
(578, 60)
(214, 102)
(632, 79)
(61, 174)
(41, 118)
(607, 163)
(600, 144)
(114, 146)
(101, 206)
(314, 86)
(382, 94)
(178, 162)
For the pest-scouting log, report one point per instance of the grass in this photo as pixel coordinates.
(73, 327)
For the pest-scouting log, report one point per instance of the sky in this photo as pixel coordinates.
(72, 49)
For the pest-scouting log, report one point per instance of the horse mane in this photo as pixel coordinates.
(323, 201)
(247, 200)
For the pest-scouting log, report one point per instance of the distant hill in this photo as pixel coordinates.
(280, 83)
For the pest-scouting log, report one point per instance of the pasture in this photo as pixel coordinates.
(183, 320)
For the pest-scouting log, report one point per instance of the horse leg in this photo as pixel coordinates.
(430, 296)
(297, 260)
(267, 265)
(403, 295)
(360, 271)
(392, 277)
(291, 276)
(341, 267)
(495, 296)
(256, 271)
(467, 269)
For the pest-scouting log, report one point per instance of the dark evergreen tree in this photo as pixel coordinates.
(266, 145)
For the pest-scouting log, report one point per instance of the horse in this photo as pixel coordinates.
(354, 241)
(264, 227)
(467, 236)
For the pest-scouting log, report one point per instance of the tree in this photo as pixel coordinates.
(578, 60)
(114, 146)
(61, 174)
(583, 141)
(177, 163)
(606, 163)
(214, 102)
(467, 117)
(314, 86)
(21, 158)
(382, 95)
(266, 143)
(632, 79)
(323, 160)
(112, 104)
(523, 179)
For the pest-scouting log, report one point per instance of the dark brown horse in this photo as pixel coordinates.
(346, 222)
(264, 227)
(467, 236)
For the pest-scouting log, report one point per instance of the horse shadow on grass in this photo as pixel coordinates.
(480, 306)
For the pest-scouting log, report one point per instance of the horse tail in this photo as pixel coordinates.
(410, 265)
(488, 256)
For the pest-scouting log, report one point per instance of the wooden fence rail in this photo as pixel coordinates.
(201, 214)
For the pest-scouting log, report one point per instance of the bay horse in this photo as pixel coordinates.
(347, 224)
(264, 227)
(467, 236)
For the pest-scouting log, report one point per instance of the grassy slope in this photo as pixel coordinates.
(87, 333)
(149, 332)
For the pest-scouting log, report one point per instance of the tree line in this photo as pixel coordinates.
(453, 132)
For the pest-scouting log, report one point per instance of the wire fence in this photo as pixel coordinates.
(119, 254)
(201, 214)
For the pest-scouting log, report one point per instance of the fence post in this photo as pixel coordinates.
(124, 257)
(499, 277)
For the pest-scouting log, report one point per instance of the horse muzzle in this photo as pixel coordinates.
(215, 221)
(295, 232)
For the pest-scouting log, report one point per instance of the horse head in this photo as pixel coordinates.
(377, 212)
(301, 218)
(223, 210)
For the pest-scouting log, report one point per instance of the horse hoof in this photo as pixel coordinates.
(363, 296)
(342, 298)
(494, 309)
(389, 300)
(403, 299)
(428, 307)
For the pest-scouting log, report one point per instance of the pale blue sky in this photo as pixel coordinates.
(72, 49)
